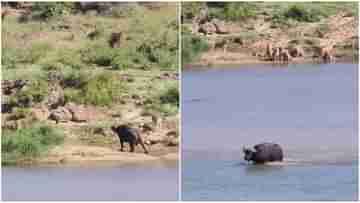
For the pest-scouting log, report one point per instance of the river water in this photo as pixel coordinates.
(90, 183)
(309, 109)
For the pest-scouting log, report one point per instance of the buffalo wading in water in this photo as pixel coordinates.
(264, 152)
(129, 135)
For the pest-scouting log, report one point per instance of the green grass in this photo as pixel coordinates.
(102, 89)
(193, 46)
(28, 143)
(165, 100)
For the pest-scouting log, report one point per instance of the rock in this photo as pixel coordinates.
(80, 113)
(60, 114)
(207, 28)
(146, 127)
(170, 123)
(12, 86)
(55, 97)
(40, 114)
(172, 133)
(219, 26)
(171, 141)
(154, 139)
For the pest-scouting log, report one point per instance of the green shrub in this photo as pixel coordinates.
(192, 47)
(170, 96)
(166, 101)
(129, 58)
(302, 14)
(46, 10)
(10, 57)
(101, 90)
(98, 54)
(191, 9)
(234, 11)
(36, 52)
(71, 58)
(35, 92)
(74, 79)
(239, 11)
(123, 12)
(29, 142)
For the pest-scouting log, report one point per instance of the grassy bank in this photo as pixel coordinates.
(252, 24)
(27, 144)
(62, 52)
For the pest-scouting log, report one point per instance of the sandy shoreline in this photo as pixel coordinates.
(101, 156)
(215, 59)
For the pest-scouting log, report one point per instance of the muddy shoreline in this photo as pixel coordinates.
(209, 61)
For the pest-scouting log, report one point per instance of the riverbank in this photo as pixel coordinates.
(72, 71)
(218, 35)
(218, 58)
(101, 156)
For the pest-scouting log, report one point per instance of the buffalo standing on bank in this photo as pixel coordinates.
(129, 135)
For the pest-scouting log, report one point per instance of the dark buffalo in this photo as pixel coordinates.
(264, 152)
(129, 135)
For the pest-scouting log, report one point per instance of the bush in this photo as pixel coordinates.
(166, 101)
(29, 142)
(302, 14)
(102, 90)
(98, 54)
(36, 52)
(239, 11)
(170, 96)
(70, 58)
(235, 11)
(193, 46)
(191, 9)
(35, 92)
(46, 10)
(129, 58)
(10, 57)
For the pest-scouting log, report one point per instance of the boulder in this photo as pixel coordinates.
(207, 28)
(80, 113)
(171, 141)
(170, 123)
(154, 139)
(219, 26)
(40, 114)
(55, 97)
(61, 114)
(12, 86)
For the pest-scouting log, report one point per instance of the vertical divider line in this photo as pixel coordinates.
(180, 103)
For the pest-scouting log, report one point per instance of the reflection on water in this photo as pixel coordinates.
(89, 183)
(310, 110)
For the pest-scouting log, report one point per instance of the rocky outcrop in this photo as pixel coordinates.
(55, 97)
(220, 26)
(80, 113)
(40, 113)
(12, 86)
(61, 114)
(207, 28)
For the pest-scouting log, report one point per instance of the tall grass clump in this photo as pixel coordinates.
(303, 14)
(46, 10)
(101, 90)
(29, 143)
(234, 11)
(166, 101)
(192, 47)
